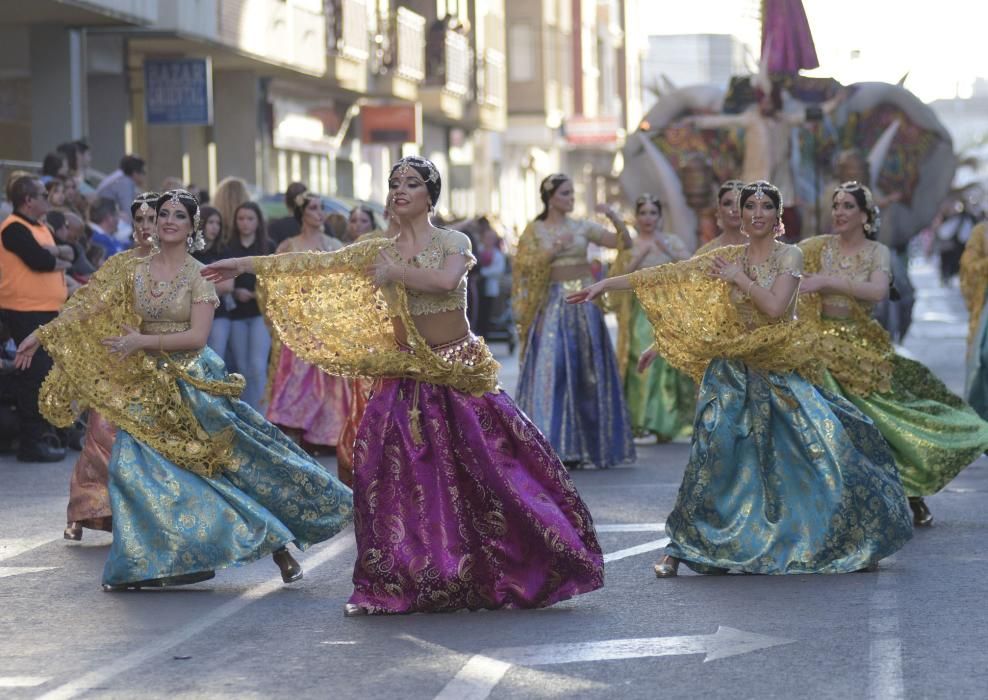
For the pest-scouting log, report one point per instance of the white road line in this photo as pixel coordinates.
(631, 527)
(6, 571)
(21, 681)
(341, 544)
(481, 674)
(475, 681)
(885, 652)
(637, 549)
(14, 547)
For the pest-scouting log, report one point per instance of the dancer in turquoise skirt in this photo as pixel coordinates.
(783, 478)
(198, 480)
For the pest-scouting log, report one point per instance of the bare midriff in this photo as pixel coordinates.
(438, 328)
(564, 273)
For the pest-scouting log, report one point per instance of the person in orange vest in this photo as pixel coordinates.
(32, 290)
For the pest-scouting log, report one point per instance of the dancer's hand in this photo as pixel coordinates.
(810, 284)
(587, 293)
(25, 352)
(384, 270)
(227, 269)
(647, 358)
(727, 271)
(123, 345)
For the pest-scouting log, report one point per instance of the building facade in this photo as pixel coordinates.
(499, 93)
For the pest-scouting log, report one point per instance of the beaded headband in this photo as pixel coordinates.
(646, 199)
(759, 188)
(412, 163)
(196, 240)
(733, 185)
(302, 197)
(553, 181)
(144, 202)
(874, 213)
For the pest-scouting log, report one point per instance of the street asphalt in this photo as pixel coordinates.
(915, 629)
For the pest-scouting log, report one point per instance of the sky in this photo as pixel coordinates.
(942, 44)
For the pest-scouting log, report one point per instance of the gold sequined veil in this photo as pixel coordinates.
(323, 305)
(695, 321)
(857, 351)
(139, 394)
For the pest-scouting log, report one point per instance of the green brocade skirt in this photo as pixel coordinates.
(661, 400)
(933, 433)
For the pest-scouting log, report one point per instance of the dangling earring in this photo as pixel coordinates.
(155, 243)
(867, 228)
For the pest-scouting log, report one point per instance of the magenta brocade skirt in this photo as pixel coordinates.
(305, 398)
(481, 514)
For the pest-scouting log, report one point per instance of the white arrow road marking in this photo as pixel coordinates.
(340, 544)
(21, 681)
(885, 651)
(631, 527)
(637, 549)
(15, 570)
(14, 547)
(481, 674)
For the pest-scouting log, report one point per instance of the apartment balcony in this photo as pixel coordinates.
(399, 59)
(449, 76)
(290, 33)
(348, 43)
(490, 109)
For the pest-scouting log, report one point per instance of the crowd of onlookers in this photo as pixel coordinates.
(59, 225)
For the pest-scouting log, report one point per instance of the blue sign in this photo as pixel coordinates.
(178, 91)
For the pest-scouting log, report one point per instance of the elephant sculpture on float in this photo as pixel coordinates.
(909, 154)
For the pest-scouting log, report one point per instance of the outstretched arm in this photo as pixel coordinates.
(611, 284)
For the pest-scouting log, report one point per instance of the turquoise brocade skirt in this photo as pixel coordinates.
(169, 521)
(976, 382)
(784, 478)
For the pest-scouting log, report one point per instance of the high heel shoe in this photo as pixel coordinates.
(922, 517)
(353, 610)
(291, 570)
(72, 531)
(667, 567)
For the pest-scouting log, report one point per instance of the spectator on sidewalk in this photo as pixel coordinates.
(492, 270)
(250, 341)
(32, 290)
(288, 226)
(53, 166)
(229, 195)
(104, 218)
(75, 236)
(123, 185)
(79, 158)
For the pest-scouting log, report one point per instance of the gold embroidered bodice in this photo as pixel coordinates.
(784, 260)
(166, 307)
(873, 256)
(444, 242)
(583, 233)
(657, 256)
